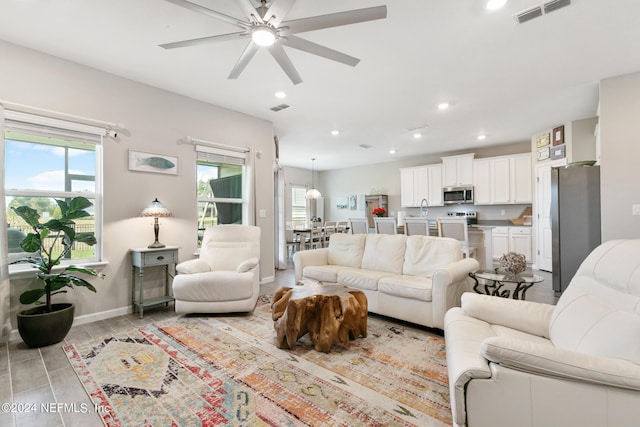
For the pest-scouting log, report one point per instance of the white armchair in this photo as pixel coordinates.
(521, 363)
(226, 277)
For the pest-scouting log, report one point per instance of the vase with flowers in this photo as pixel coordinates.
(379, 212)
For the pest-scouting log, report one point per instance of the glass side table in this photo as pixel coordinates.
(495, 281)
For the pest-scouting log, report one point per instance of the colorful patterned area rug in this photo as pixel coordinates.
(227, 371)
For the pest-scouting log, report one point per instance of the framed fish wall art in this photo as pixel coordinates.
(149, 162)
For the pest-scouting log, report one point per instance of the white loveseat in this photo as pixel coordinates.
(415, 278)
(519, 363)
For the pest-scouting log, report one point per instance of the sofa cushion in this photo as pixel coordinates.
(323, 273)
(384, 252)
(360, 279)
(346, 249)
(425, 254)
(413, 287)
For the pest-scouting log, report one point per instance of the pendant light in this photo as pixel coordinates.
(312, 193)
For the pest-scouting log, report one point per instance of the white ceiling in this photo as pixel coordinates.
(504, 79)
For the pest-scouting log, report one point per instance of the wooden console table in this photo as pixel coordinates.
(149, 257)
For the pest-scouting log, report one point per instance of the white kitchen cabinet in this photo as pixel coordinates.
(458, 170)
(421, 182)
(502, 180)
(512, 239)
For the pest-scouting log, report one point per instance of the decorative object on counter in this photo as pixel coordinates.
(513, 262)
(558, 135)
(524, 218)
(542, 140)
(558, 152)
(379, 212)
(156, 209)
(149, 162)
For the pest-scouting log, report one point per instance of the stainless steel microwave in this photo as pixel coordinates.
(457, 195)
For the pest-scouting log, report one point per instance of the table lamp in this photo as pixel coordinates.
(156, 210)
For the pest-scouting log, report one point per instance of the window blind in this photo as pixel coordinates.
(221, 155)
(44, 126)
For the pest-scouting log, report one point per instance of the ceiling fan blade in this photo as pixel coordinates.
(205, 11)
(316, 49)
(277, 11)
(204, 40)
(335, 19)
(248, 9)
(285, 63)
(244, 59)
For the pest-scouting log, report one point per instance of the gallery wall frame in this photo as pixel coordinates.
(542, 140)
(140, 161)
(558, 135)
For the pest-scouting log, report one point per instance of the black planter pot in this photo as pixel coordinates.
(39, 329)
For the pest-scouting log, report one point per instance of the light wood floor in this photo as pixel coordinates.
(35, 376)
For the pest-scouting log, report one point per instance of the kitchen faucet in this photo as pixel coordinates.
(424, 208)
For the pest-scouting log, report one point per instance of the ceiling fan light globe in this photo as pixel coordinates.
(263, 36)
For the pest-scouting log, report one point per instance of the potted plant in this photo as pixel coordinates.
(49, 323)
(379, 212)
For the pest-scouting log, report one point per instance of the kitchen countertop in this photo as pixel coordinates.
(499, 223)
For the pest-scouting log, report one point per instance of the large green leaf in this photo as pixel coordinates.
(87, 238)
(31, 243)
(79, 203)
(64, 207)
(81, 269)
(29, 215)
(31, 296)
(78, 281)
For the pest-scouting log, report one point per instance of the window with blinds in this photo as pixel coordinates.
(221, 187)
(299, 208)
(48, 159)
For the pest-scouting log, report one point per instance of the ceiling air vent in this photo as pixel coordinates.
(528, 15)
(366, 145)
(555, 5)
(539, 10)
(280, 107)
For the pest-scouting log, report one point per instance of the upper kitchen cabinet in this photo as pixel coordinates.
(421, 182)
(458, 170)
(503, 180)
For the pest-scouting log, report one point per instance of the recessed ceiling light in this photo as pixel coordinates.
(417, 135)
(280, 94)
(495, 4)
(392, 151)
(335, 132)
(443, 106)
(482, 137)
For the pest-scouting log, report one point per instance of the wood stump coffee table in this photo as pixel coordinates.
(329, 313)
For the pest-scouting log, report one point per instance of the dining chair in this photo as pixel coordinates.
(316, 237)
(359, 225)
(458, 229)
(342, 226)
(330, 227)
(385, 225)
(416, 226)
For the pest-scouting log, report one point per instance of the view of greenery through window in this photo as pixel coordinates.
(219, 194)
(39, 169)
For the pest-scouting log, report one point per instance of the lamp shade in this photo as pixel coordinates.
(312, 193)
(156, 209)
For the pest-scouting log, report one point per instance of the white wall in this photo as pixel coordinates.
(155, 121)
(619, 155)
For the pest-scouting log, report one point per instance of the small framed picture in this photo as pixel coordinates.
(150, 162)
(543, 153)
(558, 135)
(558, 152)
(542, 140)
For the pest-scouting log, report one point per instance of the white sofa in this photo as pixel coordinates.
(519, 363)
(415, 278)
(226, 277)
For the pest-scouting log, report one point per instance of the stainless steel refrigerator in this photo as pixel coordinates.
(575, 220)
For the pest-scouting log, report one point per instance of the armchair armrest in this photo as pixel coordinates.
(526, 316)
(193, 266)
(557, 362)
(301, 259)
(448, 283)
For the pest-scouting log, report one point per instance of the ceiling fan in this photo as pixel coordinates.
(265, 26)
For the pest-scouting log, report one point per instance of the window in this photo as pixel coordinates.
(47, 159)
(222, 188)
(299, 208)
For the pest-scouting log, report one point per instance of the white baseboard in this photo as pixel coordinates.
(87, 318)
(269, 279)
